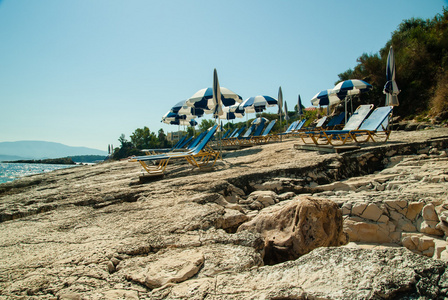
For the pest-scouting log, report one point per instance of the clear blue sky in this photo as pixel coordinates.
(83, 72)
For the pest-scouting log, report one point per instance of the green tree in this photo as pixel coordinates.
(206, 124)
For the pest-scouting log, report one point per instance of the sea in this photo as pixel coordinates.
(12, 171)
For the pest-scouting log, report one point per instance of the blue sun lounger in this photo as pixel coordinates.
(289, 129)
(338, 137)
(257, 130)
(374, 126)
(200, 156)
(335, 121)
(265, 136)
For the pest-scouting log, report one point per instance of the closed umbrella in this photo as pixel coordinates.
(299, 107)
(390, 88)
(217, 110)
(280, 102)
(286, 112)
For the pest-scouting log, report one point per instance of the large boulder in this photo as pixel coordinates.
(296, 228)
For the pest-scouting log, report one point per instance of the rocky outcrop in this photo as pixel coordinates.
(327, 273)
(95, 232)
(298, 227)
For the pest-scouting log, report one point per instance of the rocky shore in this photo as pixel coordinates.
(269, 222)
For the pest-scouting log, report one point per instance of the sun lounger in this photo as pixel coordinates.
(257, 131)
(163, 150)
(200, 156)
(232, 138)
(339, 137)
(298, 126)
(265, 136)
(318, 126)
(226, 134)
(374, 126)
(290, 128)
(335, 121)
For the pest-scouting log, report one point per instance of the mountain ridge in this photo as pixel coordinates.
(42, 150)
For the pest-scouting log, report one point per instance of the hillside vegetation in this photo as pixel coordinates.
(421, 59)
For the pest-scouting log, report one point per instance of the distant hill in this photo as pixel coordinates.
(42, 150)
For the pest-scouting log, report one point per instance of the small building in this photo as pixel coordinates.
(175, 136)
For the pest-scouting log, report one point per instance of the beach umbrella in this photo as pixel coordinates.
(286, 111)
(325, 97)
(177, 106)
(259, 120)
(204, 98)
(258, 103)
(299, 107)
(217, 110)
(390, 88)
(351, 87)
(346, 89)
(280, 102)
(191, 111)
(232, 112)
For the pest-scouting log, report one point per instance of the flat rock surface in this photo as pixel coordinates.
(96, 232)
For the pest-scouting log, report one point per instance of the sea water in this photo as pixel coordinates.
(13, 171)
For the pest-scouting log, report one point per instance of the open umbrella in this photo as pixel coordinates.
(177, 106)
(325, 97)
(204, 98)
(346, 89)
(390, 88)
(232, 112)
(259, 120)
(351, 87)
(258, 103)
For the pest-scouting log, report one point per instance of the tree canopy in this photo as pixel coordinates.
(421, 59)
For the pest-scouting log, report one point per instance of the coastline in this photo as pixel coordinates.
(96, 231)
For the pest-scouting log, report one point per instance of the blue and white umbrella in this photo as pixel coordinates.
(191, 111)
(325, 97)
(259, 120)
(351, 87)
(204, 99)
(345, 89)
(390, 88)
(232, 112)
(258, 103)
(177, 106)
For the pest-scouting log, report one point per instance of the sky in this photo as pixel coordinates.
(84, 72)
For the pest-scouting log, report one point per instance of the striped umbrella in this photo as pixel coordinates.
(390, 88)
(258, 103)
(204, 99)
(190, 111)
(232, 112)
(351, 87)
(325, 97)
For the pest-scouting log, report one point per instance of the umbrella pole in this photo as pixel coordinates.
(345, 109)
